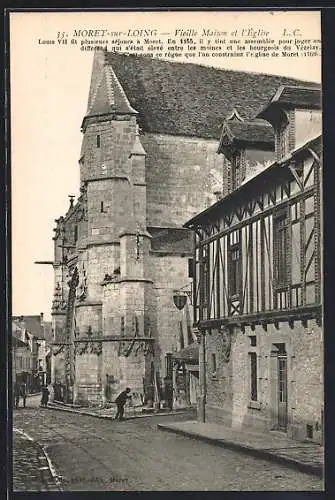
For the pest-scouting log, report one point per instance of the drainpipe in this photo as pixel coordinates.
(202, 376)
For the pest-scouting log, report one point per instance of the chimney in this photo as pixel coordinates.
(41, 318)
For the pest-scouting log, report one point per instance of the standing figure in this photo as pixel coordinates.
(120, 403)
(23, 393)
(45, 396)
(16, 394)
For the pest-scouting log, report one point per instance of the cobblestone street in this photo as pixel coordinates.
(92, 454)
(31, 470)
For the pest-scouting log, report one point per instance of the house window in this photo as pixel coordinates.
(253, 341)
(253, 376)
(205, 276)
(98, 141)
(281, 250)
(213, 360)
(190, 268)
(234, 270)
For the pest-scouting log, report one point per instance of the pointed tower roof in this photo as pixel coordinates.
(137, 148)
(97, 67)
(106, 94)
(109, 96)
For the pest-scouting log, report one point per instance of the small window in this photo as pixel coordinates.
(213, 365)
(102, 207)
(253, 376)
(190, 268)
(309, 431)
(253, 340)
(75, 233)
(234, 270)
(98, 141)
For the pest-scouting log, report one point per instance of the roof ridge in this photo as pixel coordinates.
(109, 84)
(183, 63)
(95, 93)
(120, 88)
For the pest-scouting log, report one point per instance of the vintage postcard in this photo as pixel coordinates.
(167, 230)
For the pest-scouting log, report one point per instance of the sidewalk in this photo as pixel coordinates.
(32, 469)
(109, 413)
(305, 456)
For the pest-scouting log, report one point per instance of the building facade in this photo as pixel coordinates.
(31, 350)
(258, 285)
(148, 162)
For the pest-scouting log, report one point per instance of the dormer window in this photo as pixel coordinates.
(295, 114)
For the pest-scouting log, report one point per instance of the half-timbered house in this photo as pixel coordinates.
(257, 276)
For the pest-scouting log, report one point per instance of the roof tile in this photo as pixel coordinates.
(190, 99)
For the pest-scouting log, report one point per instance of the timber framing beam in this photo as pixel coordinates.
(267, 317)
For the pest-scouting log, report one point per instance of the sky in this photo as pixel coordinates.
(49, 90)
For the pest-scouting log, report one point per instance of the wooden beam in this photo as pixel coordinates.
(288, 315)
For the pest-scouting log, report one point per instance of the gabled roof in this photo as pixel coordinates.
(32, 324)
(288, 96)
(190, 99)
(18, 342)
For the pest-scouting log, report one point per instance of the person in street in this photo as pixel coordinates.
(16, 394)
(23, 393)
(120, 403)
(45, 396)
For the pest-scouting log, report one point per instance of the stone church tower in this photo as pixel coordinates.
(107, 324)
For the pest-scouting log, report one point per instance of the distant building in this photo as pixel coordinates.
(148, 162)
(258, 283)
(36, 334)
(22, 363)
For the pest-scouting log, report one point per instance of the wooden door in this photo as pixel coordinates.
(282, 391)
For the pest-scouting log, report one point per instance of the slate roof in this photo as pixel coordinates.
(305, 97)
(18, 342)
(250, 132)
(190, 99)
(109, 96)
(189, 354)
(32, 324)
(174, 240)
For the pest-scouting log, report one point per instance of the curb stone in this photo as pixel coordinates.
(313, 469)
(45, 456)
(108, 417)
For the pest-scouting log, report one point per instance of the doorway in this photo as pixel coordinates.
(279, 387)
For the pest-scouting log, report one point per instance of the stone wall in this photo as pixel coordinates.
(112, 157)
(182, 174)
(229, 391)
(170, 273)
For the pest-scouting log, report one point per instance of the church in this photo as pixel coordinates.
(150, 160)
